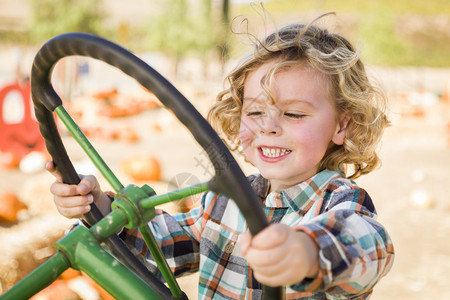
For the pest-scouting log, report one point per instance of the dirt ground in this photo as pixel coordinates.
(410, 191)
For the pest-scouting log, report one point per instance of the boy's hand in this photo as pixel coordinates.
(281, 256)
(72, 201)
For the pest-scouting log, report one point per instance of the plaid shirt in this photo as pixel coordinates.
(355, 250)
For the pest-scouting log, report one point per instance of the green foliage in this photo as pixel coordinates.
(182, 29)
(50, 17)
(384, 46)
(394, 33)
(430, 7)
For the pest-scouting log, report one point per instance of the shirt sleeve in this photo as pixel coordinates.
(355, 250)
(177, 235)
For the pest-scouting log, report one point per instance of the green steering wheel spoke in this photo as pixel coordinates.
(185, 192)
(79, 136)
(40, 278)
(109, 225)
(123, 211)
(161, 262)
(88, 256)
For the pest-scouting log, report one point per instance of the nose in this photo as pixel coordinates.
(270, 125)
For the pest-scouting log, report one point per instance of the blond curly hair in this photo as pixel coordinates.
(348, 84)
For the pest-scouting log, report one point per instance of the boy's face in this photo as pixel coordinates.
(287, 140)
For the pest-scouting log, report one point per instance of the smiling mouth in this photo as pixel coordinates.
(274, 152)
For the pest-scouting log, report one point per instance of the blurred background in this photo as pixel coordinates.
(405, 45)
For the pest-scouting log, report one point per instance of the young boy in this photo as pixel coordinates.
(302, 110)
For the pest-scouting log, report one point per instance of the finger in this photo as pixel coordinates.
(258, 258)
(50, 166)
(244, 242)
(271, 236)
(87, 184)
(73, 212)
(63, 190)
(272, 268)
(285, 271)
(71, 202)
(72, 207)
(66, 190)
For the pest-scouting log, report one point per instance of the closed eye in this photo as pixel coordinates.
(254, 113)
(294, 115)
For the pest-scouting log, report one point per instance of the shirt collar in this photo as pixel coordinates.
(297, 197)
(260, 185)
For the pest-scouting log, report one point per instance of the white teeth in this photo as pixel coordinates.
(274, 152)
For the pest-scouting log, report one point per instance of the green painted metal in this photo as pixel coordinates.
(109, 225)
(108, 272)
(37, 280)
(133, 207)
(160, 261)
(79, 136)
(174, 195)
(128, 200)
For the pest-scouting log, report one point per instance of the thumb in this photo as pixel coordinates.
(50, 167)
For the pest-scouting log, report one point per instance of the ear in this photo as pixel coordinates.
(341, 129)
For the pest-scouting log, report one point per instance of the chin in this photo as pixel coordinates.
(271, 175)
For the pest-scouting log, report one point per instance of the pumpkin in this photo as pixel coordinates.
(113, 111)
(418, 112)
(143, 167)
(9, 160)
(10, 205)
(57, 290)
(70, 274)
(106, 95)
(128, 135)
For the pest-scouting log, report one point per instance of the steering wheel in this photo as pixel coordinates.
(228, 179)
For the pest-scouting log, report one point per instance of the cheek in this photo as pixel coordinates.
(246, 131)
(314, 139)
(246, 138)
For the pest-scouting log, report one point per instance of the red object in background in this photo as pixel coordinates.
(19, 129)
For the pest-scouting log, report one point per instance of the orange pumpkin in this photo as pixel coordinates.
(128, 135)
(70, 274)
(142, 168)
(10, 205)
(149, 104)
(57, 290)
(106, 95)
(113, 111)
(9, 160)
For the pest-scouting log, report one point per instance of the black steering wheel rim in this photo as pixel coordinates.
(229, 178)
